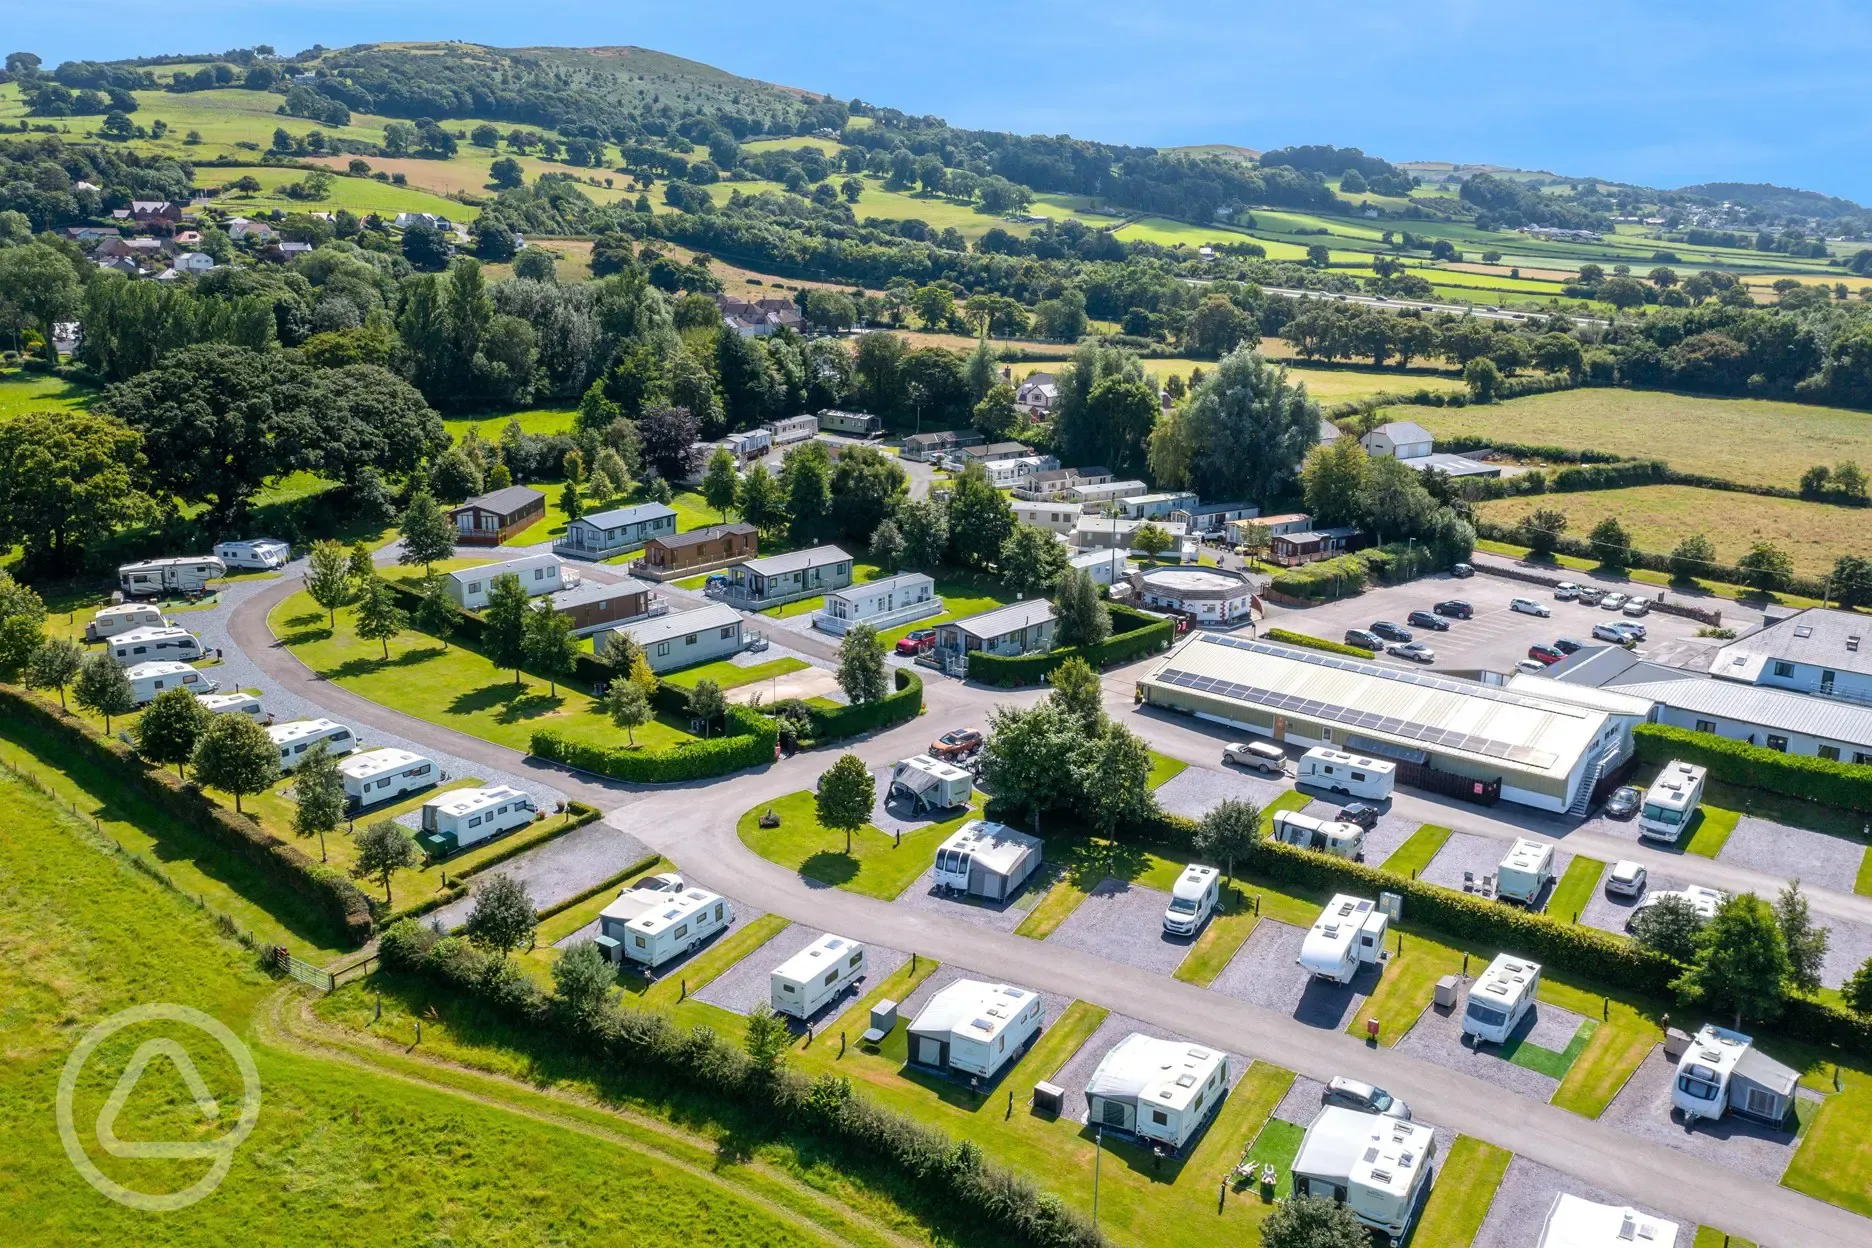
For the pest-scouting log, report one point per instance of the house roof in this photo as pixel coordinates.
(680, 623)
(597, 591)
(505, 502)
(1403, 431)
(618, 517)
(1016, 615)
(889, 584)
(696, 537)
(797, 561)
(1802, 713)
(1840, 640)
(1328, 432)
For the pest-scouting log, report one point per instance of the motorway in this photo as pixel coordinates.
(699, 833)
(1385, 304)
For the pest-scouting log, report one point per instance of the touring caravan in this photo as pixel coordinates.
(237, 703)
(186, 575)
(989, 860)
(1525, 873)
(149, 679)
(114, 621)
(1671, 801)
(297, 736)
(1377, 1166)
(1573, 1222)
(973, 1028)
(1352, 774)
(650, 926)
(1348, 934)
(1192, 900)
(1500, 999)
(455, 820)
(378, 776)
(1161, 1091)
(815, 976)
(1327, 836)
(931, 784)
(1723, 1072)
(148, 645)
(262, 554)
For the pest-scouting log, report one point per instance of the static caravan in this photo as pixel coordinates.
(1723, 1072)
(1671, 801)
(1326, 836)
(989, 860)
(1378, 1167)
(149, 679)
(114, 621)
(1161, 1091)
(185, 575)
(470, 588)
(150, 645)
(651, 926)
(1370, 779)
(790, 429)
(262, 554)
(247, 704)
(464, 817)
(931, 784)
(1500, 999)
(1525, 872)
(852, 424)
(296, 737)
(378, 776)
(816, 976)
(972, 1028)
(1192, 900)
(750, 445)
(1349, 934)
(1573, 1222)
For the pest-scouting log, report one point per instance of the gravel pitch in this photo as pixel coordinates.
(746, 984)
(1382, 841)
(1464, 851)
(1078, 1069)
(1816, 859)
(561, 868)
(1265, 971)
(1438, 1037)
(1002, 916)
(1124, 922)
(1195, 791)
(1643, 1108)
(1623, 829)
(1848, 949)
(1611, 914)
(1527, 1192)
(1301, 1105)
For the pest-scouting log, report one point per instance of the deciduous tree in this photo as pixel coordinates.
(328, 578)
(1806, 943)
(1031, 561)
(1741, 962)
(504, 624)
(707, 704)
(54, 665)
(847, 794)
(629, 709)
(503, 918)
(237, 756)
(103, 689)
(1230, 830)
(551, 649)
(861, 671)
(170, 728)
(318, 795)
(1077, 693)
(68, 480)
(720, 482)
(379, 618)
(386, 847)
(428, 534)
(1083, 619)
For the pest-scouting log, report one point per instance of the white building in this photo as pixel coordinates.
(1105, 567)
(682, 638)
(1103, 532)
(973, 1028)
(1018, 628)
(1156, 506)
(1573, 1222)
(470, 588)
(1380, 1168)
(1211, 518)
(1207, 595)
(1399, 439)
(605, 533)
(1161, 1091)
(882, 604)
(1053, 517)
(791, 429)
(1013, 474)
(1822, 652)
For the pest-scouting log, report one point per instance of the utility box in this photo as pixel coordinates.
(1446, 993)
(1048, 1098)
(1393, 905)
(1676, 1043)
(883, 1022)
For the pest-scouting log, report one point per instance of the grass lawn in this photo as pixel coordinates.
(732, 676)
(538, 420)
(963, 594)
(1164, 769)
(1833, 1162)
(1626, 1034)
(1575, 888)
(1415, 854)
(1863, 885)
(877, 866)
(1554, 1063)
(1408, 985)
(1710, 1237)
(1465, 1187)
(1710, 829)
(362, 196)
(1339, 385)
(22, 392)
(1081, 864)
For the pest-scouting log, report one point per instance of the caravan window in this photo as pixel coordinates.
(1761, 1102)
(787, 988)
(474, 587)
(1486, 1014)
(1159, 1117)
(831, 976)
(856, 958)
(475, 822)
(1703, 1089)
(1358, 775)
(639, 942)
(682, 931)
(718, 911)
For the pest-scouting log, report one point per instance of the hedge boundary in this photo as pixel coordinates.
(1134, 634)
(1582, 548)
(850, 720)
(1315, 643)
(749, 740)
(1802, 776)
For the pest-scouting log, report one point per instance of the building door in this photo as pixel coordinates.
(1280, 727)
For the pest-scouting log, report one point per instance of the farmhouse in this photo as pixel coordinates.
(785, 578)
(1161, 1091)
(1018, 628)
(1207, 595)
(972, 1028)
(881, 604)
(1037, 393)
(698, 550)
(606, 533)
(470, 588)
(682, 638)
(596, 605)
(493, 518)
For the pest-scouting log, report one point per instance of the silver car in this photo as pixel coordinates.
(1613, 601)
(1527, 606)
(1626, 879)
(1259, 755)
(1351, 1094)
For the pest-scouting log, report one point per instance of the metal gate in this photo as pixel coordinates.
(301, 970)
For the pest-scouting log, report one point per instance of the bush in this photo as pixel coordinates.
(1315, 643)
(747, 741)
(1339, 577)
(1134, 634)
(848, 721)
(1804, 776)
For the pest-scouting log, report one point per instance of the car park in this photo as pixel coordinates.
(1351, 1094)
(917, 641)
(1258, 755)
(1363, 640)
(1637, 606)
(1613, 601)
(1624, 802)
(1389, 631)
(1612, 633)
(959, 743)
(1544, 654)
(1425, 619)
(1527, 606)
(1566, 645)
(1455, 609)
(1566, 591)
(1461, 570)
(1362, 813)
(1415, 651)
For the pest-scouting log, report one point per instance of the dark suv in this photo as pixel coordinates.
(1362, 813)
(1455, 609)
(1391, 632)
(1424, 619)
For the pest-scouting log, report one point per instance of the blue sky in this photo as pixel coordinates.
(1664, 93)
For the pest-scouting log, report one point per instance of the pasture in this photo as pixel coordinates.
(359, 195)
(22, 392)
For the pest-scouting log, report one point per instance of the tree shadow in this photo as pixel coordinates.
(830, 866)
(374, 664)
(512, 705)
(306, 619)
(306, 636)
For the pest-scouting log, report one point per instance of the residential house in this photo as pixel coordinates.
(1256, 531)
(1328, 432)
(1036, 394)
(241, 229)
(285, 252)
(1018, 628)
(681, 638)
(1059, 518)
(470, 588)
(779, 579)
(1309, 545)
(1156, 506)
(605, 533)
(493, 518)
(882, 604)
(698, 550)
(1816, 651)
(142, 250)
(756, 318)
(596, 606)
(82, 234)
(150, 211)
(194, 262)
(406, 219)
(121, 264)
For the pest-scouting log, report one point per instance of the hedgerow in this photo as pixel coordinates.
(1804, 776)
(747, 740)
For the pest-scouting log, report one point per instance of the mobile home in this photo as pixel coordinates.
(185, 575)
(652, 926)
(1326, 836)
(113, 621)
(931, 784)
(297, 736)
(815, 976)
(378, 776)
(852, 424)
(1161, 1091)
(988, 860)
(1378, 1167)
(1192, 900)
(1723, 1072)
(972, 1028)
(149, 679)
(1525, 873)
(1500, 999)
(790, 429)
(1348, 934)
(231, 704)
(1671, 801)
(262, 554)
(1355, 775)
(470, 588)
(750, 445)
(1573, 1222)
(464, 817)
(149, 645)
(883, 604)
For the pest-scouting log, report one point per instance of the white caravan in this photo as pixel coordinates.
(806, 982)
(650, 926)
(985, 859)
(1500, 999)
(1378, 1167)
(1326, 836)
(150, 645)
(1525, 871)
(1576, 1223)
(247, 704)
(1354, 775)
(974, 1028)
(149, 679)
(188, 574)
(294, 738)
(262, 554)
(1161, 1091)
(1723, 1072)
(377, 776)
(112, 621)
(1703, 900)
(931, 784)
(462, 817)
(1192, 900)
(1349, 933)
(1671, 801)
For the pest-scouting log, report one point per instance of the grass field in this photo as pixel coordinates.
(1464, 1189)
(877, 866)
(732, 675)
(22, 392)
(1833, 1162)
(360, 195)
(538, 420)
(1659, 516)
(1576, 888)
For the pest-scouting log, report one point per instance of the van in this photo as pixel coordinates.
(114, 621)
(1500, 999)
(152, 645)
(1192, 900)
(298, 736)
(1326, 836)
(1351, 774)
(1525, 873)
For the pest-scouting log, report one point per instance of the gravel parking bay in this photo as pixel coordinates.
(1382, 841)
(747, 983)
(1611, 914)
(1437, 1036)
(560, 868)
(1265, 971)
(1196, 791)
(1124, 922)
(1527, 1192)
(1816, 859)
(1643, 1108)
(1482, 856)
(1002, 916)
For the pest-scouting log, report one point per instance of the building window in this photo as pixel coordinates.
(1783, 670)
(689, 640)
(727, 632)
(1861, 758)
(1830, 753)
(662, 649)
(1777, 743)
(1704, 725)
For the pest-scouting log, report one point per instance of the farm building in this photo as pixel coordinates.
(778, 579)
(605, 533)
(881, 604)
(972, 1028)
(1209, 595)
(1409, 442)
(493, 518)
(698, 550)
(470, 588)
(1017, 628)
(682, 638)
(596, 605)
(1161, 1091)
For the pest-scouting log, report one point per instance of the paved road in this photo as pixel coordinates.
(1480, 312)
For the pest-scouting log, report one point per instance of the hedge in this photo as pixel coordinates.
(1802, 776)
(1315, 643)
(748, 740)
(1134, 634)
(587, 669)
(831, 723)
(336, 897)
(1582, 548)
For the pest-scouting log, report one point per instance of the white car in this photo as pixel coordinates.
(1527, 606)
(1566, 591)
(1612, 631)
(1627, 879)
(1613, 602)
(1636, 607)
(1532, 667)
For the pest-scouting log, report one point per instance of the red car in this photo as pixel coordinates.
(1546, 654)
(917, 641)
(957, 744)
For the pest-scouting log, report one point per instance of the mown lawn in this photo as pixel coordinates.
(731, 675)
(1164, 769)
(23, 392)
(1627, 1032)
(538, 420)
(1710, 829)
(1415, 854)
(1575, 888)
(877, 866)
(1833, 1162)
(1465, 1187)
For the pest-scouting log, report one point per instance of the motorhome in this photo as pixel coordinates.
(297, 736)
(1525, 873)
(988, 860)
(378, 776)
(247, 704)
(1161, 1091)
(262, 554)
(114, 621)
(931, 784)
(1192, 900)
(149, 679)
(1352, 774)
(815, 976)
(1327, 836)
(1701, 899)
(1349, 934)
(1723, 1072)
(462, 817)
(1500, 999)
(973, 1028)
(188, 574)
(650, 926)
(1377, 1166)
(1573, 1222)
(1671, 801)
(149, 645)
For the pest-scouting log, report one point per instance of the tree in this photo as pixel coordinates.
(319, 800)
(1031, 561)
(1766, 567)
(1077, 693)
(1313, 1222)
(847, 794)
(386, 847)
(22, 624)
(38, 280)
(629, 709)
(1542, 529)
(1027, 761)
(925, 526)
(328, 578)
(887, 546)
(720, 482)
(379, 618)
(425, 247)
(571, 501)
(980, 518)
(707, 704)
(68, 480)
(1397, 505)
(996, 415)
(503, 918)
(1669, 925)
(455, 477)
(1083, 619)
(428, 534)
(1741, 963)
(1111, 772)
(1334, 477)
(1151, 539)
(766, 1040)
(236, 756)
(1230, 830)
(1805, 943)
(866, 486)
(808, 493)
(1695, 555)
(669, 437)
(536, 264)
(170, 728)
(551, 649)
(504, 624)
(861, 671)
(1483, 378)
(582, 981)
(1611, 543)
(103, 689)
(507, 173)
(759, 500)
(1244, 430)
(1215, 328)
(54, 665)
(435, 612)
(1858, 989)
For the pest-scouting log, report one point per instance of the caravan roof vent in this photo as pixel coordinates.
(1406, 1160)
(1852, 642)
(1803, 630)
(1371, 1155)
(1628, 1229)
(1186, 1080)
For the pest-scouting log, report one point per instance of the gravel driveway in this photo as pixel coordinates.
(1643, 1108)
(1265, 971)
(1382, 841)
(1438, 1037)
(1848, 947)
(746, 984)
(1527, 1192)
(1002, 916)
(1814, 858)
(1195, 791)
(561, 868)
(1611, 914)
(1124, 922)
(1465, 851)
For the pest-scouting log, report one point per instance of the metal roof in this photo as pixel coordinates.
(680, 623)
(618, 517)
(797, 561)
(885, 585)
(506, 567)
(1841, 640)
(695, 537)
(1802, 713)
(506, 501)
(597, 591)
(1002, 620)
(1615, 699)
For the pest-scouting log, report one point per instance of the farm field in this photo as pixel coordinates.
(538, 420)
(1658, 516)
(1752, 441)
(359, 195)
(22, 392)
(467, 172)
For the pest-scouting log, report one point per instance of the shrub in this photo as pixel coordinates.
(1316, 643)
(848, 721)
(748, 741)
(1803, 776)
(1134, 634)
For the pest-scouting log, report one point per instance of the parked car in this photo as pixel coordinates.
(1589, 597)
(1544, 654)
(959, 743)
(1415, 651)
(1613, 633)
(1259, 755)
(1613, 601)
(1351, 1094)
(1624, 802)
(1566, 591)
(917, 641)
(1626, 879)
(1527, 606)
(1566, 645)
(1530, 667)
(1634, 631)
(1389, 631)
(1424, 619)
(1363, 640)
(1455, 609)
(1637, 606)
(1461, 570)
(1362, 813)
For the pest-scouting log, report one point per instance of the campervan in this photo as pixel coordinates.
(262, 554)
(1723, 1072)
(1352, 774)
(247, 704)
(148, 645)
(931, 784)
(1525, 873)
(1327, 836)
(1192, 900)
(113, 621)
(187, 575)
(984, 859)
(650, 927)
(1500, 999)
(149, 679)
(1377, 1166)
(464, 817)
(1348, 934)
(378, 776)
(296, 737)
(1671, 801)
(815, 976)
